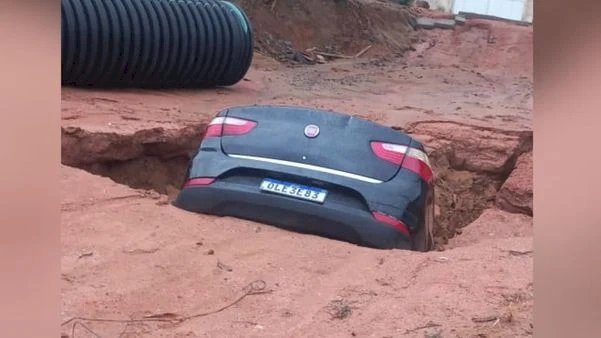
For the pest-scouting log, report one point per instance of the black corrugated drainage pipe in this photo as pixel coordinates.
(154, 43)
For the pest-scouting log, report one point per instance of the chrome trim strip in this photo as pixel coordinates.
(308, 167)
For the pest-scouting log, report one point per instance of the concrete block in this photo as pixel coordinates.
(426, 23)
(444, 23)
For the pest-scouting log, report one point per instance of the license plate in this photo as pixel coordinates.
(294, 190)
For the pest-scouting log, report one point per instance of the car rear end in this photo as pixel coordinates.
(312, 171)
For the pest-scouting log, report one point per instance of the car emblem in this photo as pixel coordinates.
(311, 131)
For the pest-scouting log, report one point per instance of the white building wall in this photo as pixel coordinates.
(528, 11)
(442, 5)
(512, 9)
(509, 9)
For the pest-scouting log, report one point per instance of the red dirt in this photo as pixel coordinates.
(490, 47)
(493, 224)
(517, 192)
(471, 163)
(335, 26)
(128, 254)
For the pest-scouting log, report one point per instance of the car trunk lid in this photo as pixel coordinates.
(342, 143)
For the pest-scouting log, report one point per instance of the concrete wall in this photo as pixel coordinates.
(528, 11)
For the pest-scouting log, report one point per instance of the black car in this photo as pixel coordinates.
(316, 172)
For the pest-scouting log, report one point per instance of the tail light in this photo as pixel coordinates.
(199, 182)
(389, 220)
(411, 158)
(228, 126)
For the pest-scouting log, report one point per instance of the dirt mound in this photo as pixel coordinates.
(490, 46)
(517, 192)
(285, 27)
(493, 224)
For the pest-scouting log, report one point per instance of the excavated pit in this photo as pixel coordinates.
(151, 159)
(460, 196)
(156, 159)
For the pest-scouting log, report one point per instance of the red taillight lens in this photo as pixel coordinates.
(395, 223)
(228, 126)
(418, 162)
(213, 130)
(411, 158)
(199, 182)
(392, 153)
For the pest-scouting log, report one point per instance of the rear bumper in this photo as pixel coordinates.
(402, 197)
(330, 220)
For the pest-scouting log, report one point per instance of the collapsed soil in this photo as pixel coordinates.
(461, 194)
(127, 253)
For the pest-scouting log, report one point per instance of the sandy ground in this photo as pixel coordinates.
(390, 92)
(128, 254)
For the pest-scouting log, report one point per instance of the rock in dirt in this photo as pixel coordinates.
(516, 193)
(473, 148)
(493, 224)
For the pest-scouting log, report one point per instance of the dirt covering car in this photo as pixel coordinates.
(315, 172)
